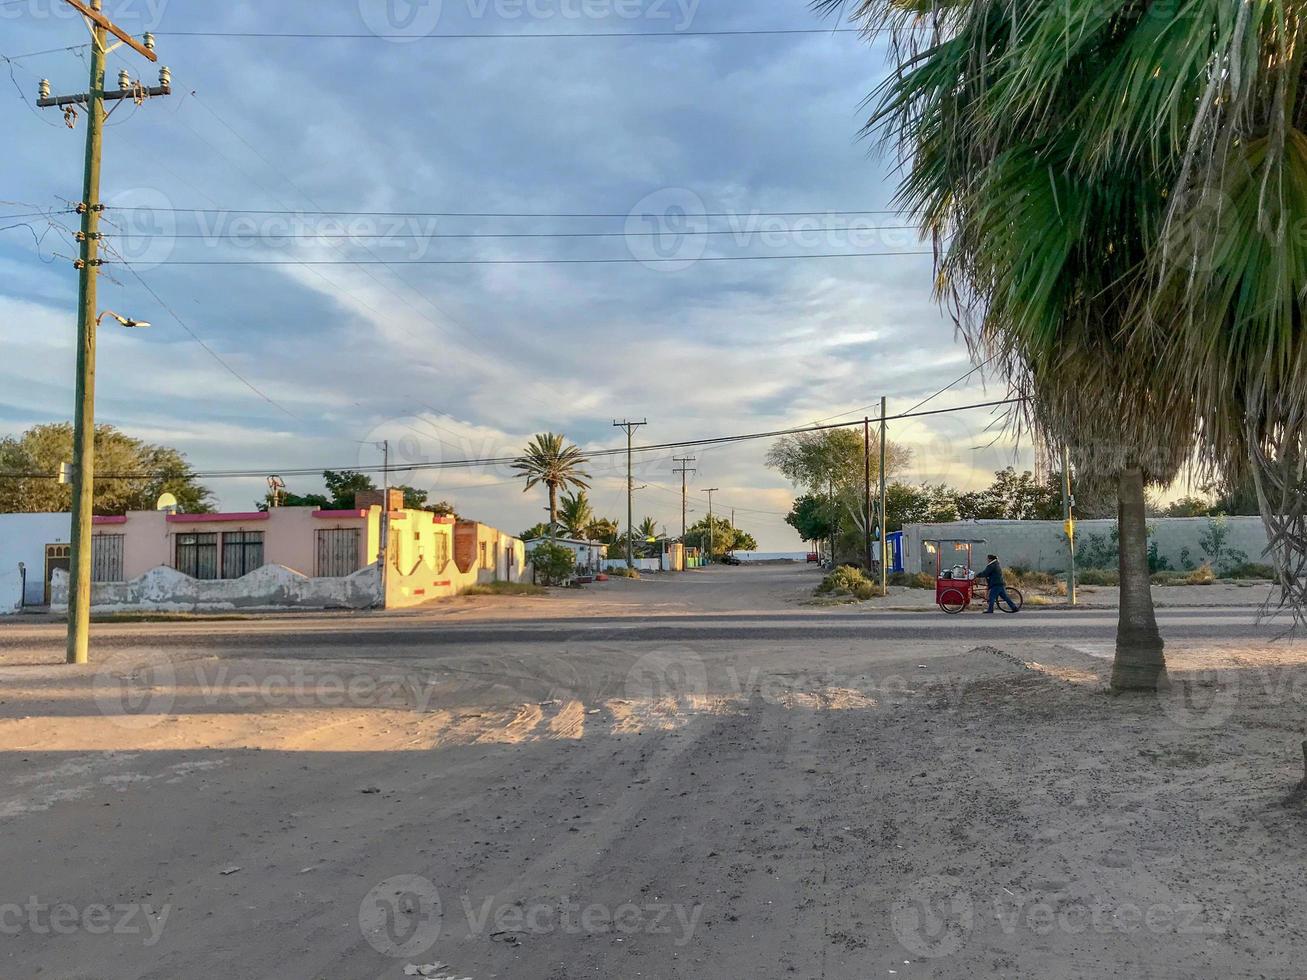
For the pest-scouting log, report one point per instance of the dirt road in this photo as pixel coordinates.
(674, 778)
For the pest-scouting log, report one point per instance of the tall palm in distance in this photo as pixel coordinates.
(548, 459)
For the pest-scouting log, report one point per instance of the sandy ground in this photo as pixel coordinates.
(677, 778)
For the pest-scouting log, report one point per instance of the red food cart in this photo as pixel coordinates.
(954, 584)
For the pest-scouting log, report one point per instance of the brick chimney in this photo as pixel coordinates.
(364, 499)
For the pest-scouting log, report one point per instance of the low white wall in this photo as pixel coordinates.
(1042, 544)
(23, 537)
(11, 590)
(268, 588)
(641, 564)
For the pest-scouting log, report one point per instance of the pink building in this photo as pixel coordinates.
(290, 557)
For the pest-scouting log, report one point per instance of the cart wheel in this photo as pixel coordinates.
(1017, 600)
(952, 602)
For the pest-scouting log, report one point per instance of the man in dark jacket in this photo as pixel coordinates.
(993, 576)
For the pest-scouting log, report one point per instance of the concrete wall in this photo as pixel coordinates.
(268, 588)
(641, 564)
(1042, 544)
(23, 538)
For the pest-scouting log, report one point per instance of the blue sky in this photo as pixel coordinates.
(456, 360)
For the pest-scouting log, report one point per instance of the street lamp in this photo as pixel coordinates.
(125, 321)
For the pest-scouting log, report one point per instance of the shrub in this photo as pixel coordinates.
(846, 580)
(621, 571)
(1098, 576)
(553, 563)
(914, 580)
(504, 588)
(1251, 569)
(1024, 578)
(1202, 575)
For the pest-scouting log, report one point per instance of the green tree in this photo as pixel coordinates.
(819, 460)
(603, 529)
(725, 538)
(811, 516)
(1014, 497)
(549, 460)
(342, 485)
(553, 563)
(1190, 506)
(924, 504)
(130, 474)
(540, 530)
(576, 514)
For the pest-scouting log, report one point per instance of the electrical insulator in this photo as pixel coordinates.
(165, 77)
(124, 79)
(45, 88)
(149, 42)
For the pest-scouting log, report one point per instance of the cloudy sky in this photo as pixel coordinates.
(397, 325)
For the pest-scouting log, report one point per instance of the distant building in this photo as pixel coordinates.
(589, 554)
(286, 557)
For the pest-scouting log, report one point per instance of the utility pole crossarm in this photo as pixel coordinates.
(97, 18)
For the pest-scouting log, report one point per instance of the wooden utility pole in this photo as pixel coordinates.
(683, 469)
(866, 496)
(884, 517)
(630, 428)
(88, 266)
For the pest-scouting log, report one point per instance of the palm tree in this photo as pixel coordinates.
(576, 514)
(548, 459)
(646, 529)
(1044, 232)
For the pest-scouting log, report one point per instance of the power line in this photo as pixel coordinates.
(580, 35)
(589, 454)
(501, 214)
(277, 236)
(608, 261)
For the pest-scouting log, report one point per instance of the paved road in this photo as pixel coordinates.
(670, 779)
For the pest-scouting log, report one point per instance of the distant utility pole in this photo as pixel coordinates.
(88, 265)
(866, 497)
(1068, 515)
(884, 517)
(683, 469)
(630, 428)
(710, 491)
(384, 446)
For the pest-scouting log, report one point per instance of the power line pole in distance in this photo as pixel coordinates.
(710, 491)
(630, 428)
(683, 469)
(88, 265)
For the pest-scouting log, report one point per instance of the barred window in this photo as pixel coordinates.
(197, 555)
(242, 553)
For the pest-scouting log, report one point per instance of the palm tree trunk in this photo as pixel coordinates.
(553, 512)
(1140, 664)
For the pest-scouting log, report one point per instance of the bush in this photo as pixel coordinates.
(1098, 576)
(915, 580)
(621, 571)
(1251, 569)
(1202, 575)
(847, 580)
(553, 563)
(1024, 578)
